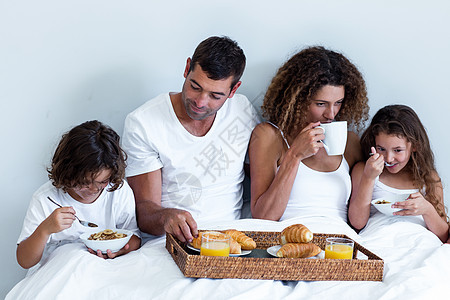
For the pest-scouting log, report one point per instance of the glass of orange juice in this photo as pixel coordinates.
(339, 248)
(215, 244)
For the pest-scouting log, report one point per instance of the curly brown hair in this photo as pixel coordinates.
(84, 152)
(299, 79)
(403, 122)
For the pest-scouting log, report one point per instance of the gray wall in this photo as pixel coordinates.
(65, 62)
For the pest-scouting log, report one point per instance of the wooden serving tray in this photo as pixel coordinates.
(246, 267)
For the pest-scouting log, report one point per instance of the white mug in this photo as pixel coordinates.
(335, 137)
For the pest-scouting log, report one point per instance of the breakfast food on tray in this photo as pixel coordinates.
(247, 243)
(197, 242)
(297, 233)
(106, 234)
(235, 247)
(298, 250)
(382, 202)
(295, 242)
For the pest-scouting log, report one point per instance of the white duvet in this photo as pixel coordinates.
(416, 266)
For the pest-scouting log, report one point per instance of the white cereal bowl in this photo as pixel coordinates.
(114, 245)
(386, 208)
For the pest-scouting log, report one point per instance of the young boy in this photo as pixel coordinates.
(87, 179)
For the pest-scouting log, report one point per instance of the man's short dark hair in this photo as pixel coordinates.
(220, 58)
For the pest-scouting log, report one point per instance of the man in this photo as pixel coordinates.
(186, 150)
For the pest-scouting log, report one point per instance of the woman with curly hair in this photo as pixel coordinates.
(398, 162)
(291, 173)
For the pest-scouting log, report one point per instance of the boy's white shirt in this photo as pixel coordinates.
(111, 210)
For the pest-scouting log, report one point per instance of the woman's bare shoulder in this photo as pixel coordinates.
(266, 143)
(265, 132)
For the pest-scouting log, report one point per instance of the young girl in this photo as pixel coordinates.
(87, 179)
(399, 160)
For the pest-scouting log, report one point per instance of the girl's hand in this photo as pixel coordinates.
(374, 165)
(109, 253)
(415, 205)
(60, 219)
(308, 141)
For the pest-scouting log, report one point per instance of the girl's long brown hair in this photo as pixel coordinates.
(403, 122)
(298, 80)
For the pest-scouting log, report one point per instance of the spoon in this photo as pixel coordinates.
(385, 163)
(84, 223)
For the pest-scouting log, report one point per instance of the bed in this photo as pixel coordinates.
(416, 266)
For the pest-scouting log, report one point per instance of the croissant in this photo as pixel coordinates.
(197, 242)
(297, 250)
(235, 247)
(297, 233)
(247, 243)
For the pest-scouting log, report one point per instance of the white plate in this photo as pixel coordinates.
(274, 249)
(243, 252)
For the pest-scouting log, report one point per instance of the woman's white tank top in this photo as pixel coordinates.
(316, 193)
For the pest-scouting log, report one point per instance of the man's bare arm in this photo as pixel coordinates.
(151, 216)
(147, 193)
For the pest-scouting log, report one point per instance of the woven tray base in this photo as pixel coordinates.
(197, 266)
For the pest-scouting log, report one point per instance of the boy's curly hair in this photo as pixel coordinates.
(298, 80)
(85, 151)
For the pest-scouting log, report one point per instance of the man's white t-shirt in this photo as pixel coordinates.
(202, 175)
